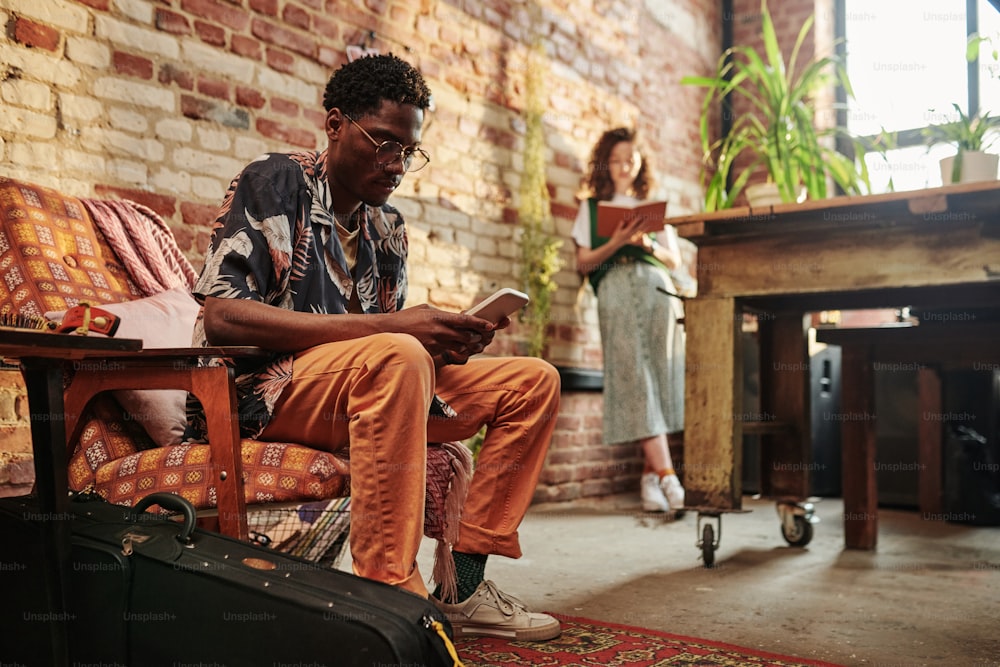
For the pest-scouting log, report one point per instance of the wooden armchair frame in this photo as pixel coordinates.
(178, 368)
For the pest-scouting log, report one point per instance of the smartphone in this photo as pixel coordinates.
(503, 302)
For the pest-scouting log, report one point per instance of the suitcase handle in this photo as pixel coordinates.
(175, 503)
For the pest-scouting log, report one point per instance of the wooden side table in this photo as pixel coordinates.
(42, 357)
(118, 364)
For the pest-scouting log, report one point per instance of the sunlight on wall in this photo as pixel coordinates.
(913, 82)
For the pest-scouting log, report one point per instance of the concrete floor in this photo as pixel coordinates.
(929, 595)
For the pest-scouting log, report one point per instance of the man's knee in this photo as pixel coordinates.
(548, 376)
(400, 353)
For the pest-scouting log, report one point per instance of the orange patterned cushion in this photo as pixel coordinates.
(106, 436)
(272, 472)
(51, 255)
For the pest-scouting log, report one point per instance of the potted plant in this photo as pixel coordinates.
(971, 135)
(778, 133)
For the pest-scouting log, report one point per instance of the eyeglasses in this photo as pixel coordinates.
(387, 152)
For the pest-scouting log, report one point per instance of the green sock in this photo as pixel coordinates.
(470, 570)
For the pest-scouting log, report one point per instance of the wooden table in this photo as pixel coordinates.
(42, 357)
(929, 248)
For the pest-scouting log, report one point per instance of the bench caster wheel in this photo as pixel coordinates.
(797, 521)
(708, 545)
(709, 541)
(800, 533)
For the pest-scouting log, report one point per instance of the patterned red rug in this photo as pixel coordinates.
(586, 643)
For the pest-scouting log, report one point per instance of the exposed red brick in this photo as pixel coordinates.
(286, 133)
(198, 215)
(200, 108)
(213, 87)
(284, 107)
(245, 46)
(316, 118)
(218, 12)
(279, 60)
(210, 33)
(172, 74)
(161, 204)
(297, 16)
(268, 7)
(281, 36)
(34, 34)
(326, 27)
(563, 210)
(185, 239)
(499, 137)
(377, 6)
(172, 22)
(201, 239)
(509, 215)
(249, 97)
(102, 5)
(313, 4)
(132, 65)
(563, 159)
(196, 107)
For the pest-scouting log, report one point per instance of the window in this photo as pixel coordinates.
(907, 65)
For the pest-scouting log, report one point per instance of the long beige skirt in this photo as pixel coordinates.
(643, 346)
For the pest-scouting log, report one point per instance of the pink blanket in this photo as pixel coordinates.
(144, 244)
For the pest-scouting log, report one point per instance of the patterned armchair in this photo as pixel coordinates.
(54, 256)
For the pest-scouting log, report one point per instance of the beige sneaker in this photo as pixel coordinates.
(673, 490)
(653, 498)
(489, 612)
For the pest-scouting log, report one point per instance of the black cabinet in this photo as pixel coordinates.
(970, 418)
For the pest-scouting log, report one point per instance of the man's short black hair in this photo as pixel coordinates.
(360, 86)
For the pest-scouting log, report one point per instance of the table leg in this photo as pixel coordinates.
(858, 444)
(930, 489)
(43, 382)
(785, 404)
(713, 403)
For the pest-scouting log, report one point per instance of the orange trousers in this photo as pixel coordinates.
(375, 393)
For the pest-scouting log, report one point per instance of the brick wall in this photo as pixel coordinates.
(16, 472)
(164, 101)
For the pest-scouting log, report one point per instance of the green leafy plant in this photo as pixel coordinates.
(971, 132)
(975, 43)
(540, 259)
(968, 133)
(778, 133)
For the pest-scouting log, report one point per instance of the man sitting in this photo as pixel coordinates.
(308, 261)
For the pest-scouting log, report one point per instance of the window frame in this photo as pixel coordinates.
(914, 136)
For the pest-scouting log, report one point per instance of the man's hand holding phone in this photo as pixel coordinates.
(500, 305)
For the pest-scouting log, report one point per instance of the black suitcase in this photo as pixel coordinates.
(150, 591)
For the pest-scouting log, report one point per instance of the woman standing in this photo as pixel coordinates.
(642, 340)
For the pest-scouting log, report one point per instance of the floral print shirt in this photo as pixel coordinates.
(275, 241)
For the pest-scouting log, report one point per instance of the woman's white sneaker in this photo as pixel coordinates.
(653, 498)
(674, 492)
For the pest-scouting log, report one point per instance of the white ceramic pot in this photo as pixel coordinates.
(763, 194)
(976, 166)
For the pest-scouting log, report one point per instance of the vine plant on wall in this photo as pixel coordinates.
(540, 260)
